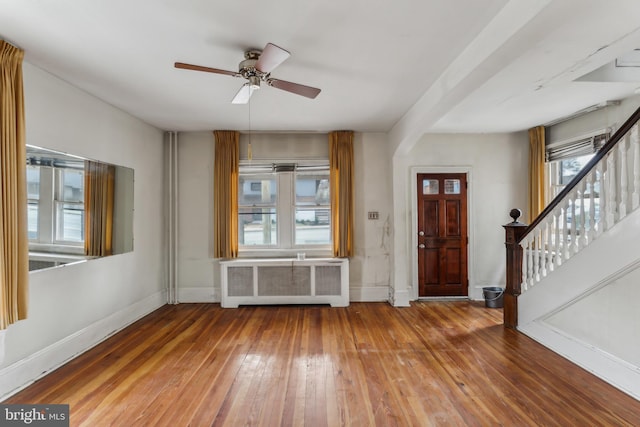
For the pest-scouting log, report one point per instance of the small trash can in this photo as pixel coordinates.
(493, 297)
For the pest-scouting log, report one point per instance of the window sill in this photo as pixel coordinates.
(45, 260)
(284, 253)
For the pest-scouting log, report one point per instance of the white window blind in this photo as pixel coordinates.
(576, 148)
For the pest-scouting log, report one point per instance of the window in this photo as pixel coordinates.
(284, 210)
(55, 197)
(257, 220)
(313, 210)
(33, 201)
(565, 161)
(561, 172)
(69, 206)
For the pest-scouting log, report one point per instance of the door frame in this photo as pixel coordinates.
(415, 170)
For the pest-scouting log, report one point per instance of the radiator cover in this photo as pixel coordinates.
(285, 281)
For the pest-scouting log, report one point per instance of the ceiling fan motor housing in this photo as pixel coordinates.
(247, 68)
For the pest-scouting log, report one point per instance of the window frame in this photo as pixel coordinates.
(48, 222)
(286, 207)
(574, 148)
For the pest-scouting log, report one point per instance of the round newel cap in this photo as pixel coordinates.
(515, 214)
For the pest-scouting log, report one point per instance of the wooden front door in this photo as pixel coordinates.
(442, 234)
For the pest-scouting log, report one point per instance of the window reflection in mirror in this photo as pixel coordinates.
(60, 209)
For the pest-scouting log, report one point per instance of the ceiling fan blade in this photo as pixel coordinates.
(298, 89)
(206, 69)
(271, 57)
(243, 95)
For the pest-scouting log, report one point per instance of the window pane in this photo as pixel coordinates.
(430, 186)
(72, 186)
(312, 226)
(32, 220)
(257, 190)
(312, 190)
(451, 186)
(70, 218)
(257, 226)
(33, 182)
(569, 168)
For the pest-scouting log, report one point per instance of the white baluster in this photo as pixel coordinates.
(602, 199)
(610, 181)
(590, 234)
(584, 213)
(530, 258)
(635, 144)
(565, 230)
(558, 244)
(624, 190)
(536, 256)
(543, 250)
(575, 245)
(549, 245)
(525, 265)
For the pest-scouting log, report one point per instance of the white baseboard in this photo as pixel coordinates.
(609, 368)
(210, 294)
(195, 295)
(400, 298)
(369, 294)
(22, 373)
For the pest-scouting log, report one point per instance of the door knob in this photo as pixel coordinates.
(421, 246)
(420, 233)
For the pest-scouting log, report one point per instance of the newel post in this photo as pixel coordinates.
(514, 230)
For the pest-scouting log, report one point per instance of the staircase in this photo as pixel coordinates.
(573, 274)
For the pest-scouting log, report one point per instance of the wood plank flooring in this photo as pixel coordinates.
(369, 364)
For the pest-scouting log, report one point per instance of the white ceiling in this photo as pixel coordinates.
(399, 66)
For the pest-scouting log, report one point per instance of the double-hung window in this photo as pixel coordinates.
(284, 207)
(55, 197)
(312, 208)
(566, 159)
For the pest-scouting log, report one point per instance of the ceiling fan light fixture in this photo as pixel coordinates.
(254, 82)
(243, 95)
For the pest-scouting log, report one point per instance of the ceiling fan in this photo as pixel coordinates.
(256, 68)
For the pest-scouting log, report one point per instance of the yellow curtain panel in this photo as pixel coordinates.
(14, 245)
(536, 172)
(98, 208)
(225, 193)
(341, 178)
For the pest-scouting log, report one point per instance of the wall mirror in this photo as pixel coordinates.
(78, 209)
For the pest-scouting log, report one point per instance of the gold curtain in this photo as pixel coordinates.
(98, 208)
(225, 193)
(14, 245)
(536, 172)
(341, 181)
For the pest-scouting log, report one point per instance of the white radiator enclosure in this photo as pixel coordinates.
(285, 281)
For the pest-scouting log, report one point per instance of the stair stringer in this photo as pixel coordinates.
(612, 258)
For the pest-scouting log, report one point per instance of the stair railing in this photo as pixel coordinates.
(605, 191)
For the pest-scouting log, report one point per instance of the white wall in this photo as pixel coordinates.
(370, 265)
(498, 172)
(610, 117)
(73, 307)
(198, 272)
(607, 320)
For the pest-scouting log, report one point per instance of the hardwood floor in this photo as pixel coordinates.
(434, 363)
